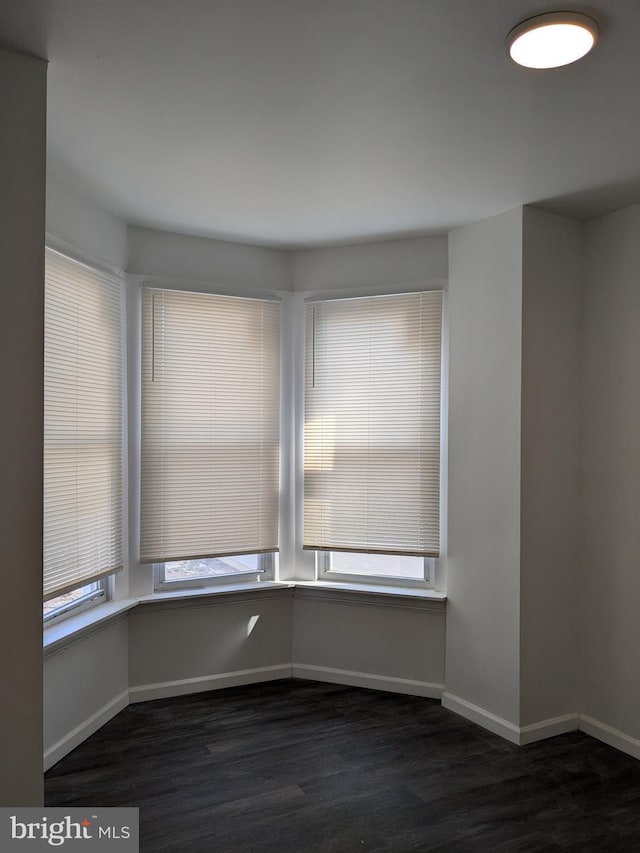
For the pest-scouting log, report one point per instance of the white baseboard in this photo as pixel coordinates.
(519, 735)
(545, 728)
(166, 689)
(85, 729)
(483, 718)
(549, 728)
(609, 735)
(391, 684)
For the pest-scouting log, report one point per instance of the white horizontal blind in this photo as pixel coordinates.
(372, 424)
(210, 425)
(82, 425)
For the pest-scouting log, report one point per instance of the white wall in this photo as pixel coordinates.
(85, 684)
(191, 645)
(515, 297)
(230, 265)
(610, 577)
(385, 265)
(370, 641)
(483, 561)
(83, 228)
(22, 220)
(549, 517)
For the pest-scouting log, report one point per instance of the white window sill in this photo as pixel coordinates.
(413, 598)
(214, 591)
(417, 593)
(375, 589)
(59, 634)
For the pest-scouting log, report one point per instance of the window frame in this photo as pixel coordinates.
(325, 573)
(86, 602)
(187, 287)
(265, 573)
(313, 564)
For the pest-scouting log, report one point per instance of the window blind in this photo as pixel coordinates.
(372, 424)
(210, 425)
(82, 425)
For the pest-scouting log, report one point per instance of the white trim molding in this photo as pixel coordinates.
(166, 689)
(85, 729)
(483, 718)
(549, 728)
(381, 596)
(520, 735)
(610, 736)
(351, 678)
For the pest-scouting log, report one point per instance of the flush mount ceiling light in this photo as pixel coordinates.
(552, 39)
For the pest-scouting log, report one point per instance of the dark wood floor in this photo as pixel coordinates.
(295, 766)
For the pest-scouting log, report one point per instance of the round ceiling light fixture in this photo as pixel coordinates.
(552, 39)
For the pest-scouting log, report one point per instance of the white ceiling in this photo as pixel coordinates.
(306, 122)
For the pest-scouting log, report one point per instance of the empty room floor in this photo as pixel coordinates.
(306, 766)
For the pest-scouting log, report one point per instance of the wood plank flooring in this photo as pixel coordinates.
(293, 766)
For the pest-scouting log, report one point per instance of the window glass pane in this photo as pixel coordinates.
(50, 607)
(378, 565)
(211, 567)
